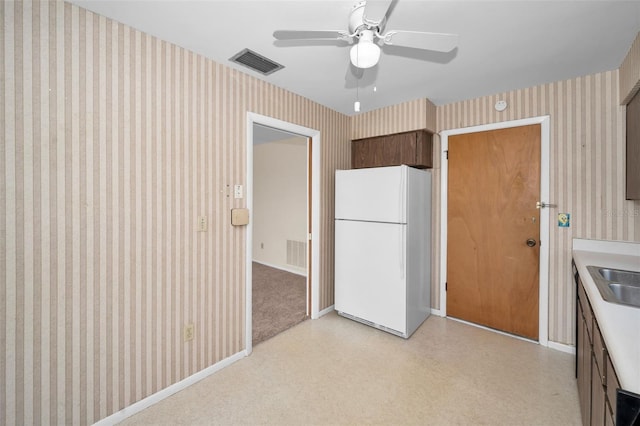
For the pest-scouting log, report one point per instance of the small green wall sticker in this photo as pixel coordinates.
(564, 220)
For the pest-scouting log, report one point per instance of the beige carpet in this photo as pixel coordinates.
(279, 301)
(334, 371)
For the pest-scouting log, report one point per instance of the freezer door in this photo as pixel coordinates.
(376, 194)
(370, 272)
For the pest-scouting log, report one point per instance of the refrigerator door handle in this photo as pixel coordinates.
(404, 173)
(403, 250)
(402, 193)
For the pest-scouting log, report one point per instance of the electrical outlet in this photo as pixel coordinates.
(189, 331)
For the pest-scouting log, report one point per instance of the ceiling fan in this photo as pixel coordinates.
(366, 26)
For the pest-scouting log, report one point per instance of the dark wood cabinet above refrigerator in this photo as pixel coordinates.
(413, 148)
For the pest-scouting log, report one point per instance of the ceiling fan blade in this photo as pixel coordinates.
(439, 42)
(375, 11)
(311, 35)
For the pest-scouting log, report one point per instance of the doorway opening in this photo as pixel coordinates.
(280, 229)
(544, 216)
(282, 242)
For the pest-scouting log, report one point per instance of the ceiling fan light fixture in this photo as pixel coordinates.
(365, 53)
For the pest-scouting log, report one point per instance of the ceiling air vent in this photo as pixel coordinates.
(256, 62)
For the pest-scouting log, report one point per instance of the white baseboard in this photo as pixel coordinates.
(436, 312)
(147, 402)
(493, 330)
(325, 311)
(283, 268)
(562, 347)
(551, 345)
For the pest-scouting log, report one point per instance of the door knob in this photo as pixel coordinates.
(531, 242)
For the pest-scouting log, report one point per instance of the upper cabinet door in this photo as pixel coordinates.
(410, 148)
(633, 149)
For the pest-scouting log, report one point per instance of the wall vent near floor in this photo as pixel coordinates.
(297, 253)
(256, 62)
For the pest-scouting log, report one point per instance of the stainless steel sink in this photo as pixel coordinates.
(617, 286)
(623, 277)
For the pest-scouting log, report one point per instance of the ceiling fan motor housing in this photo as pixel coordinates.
(357, 23)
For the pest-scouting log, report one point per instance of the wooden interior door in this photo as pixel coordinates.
(493, 187)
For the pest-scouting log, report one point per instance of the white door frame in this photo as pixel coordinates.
(253, 118)
(543, 315)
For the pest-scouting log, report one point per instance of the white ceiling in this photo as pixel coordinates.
(504, 45)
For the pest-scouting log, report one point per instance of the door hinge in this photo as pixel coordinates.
(446, 154)
(446, 285)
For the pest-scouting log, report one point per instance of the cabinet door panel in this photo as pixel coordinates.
(599, 353)
(584, 386)
(609, 420)
(424, 150)
(633, 149)
(410, 148)
(612, 386)
(393, 150)
(597, 394)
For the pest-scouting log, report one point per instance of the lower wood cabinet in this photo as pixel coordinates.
(410, 148)
(583, 364)
(598, 384)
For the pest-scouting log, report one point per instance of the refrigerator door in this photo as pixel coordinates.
(375, 195)
(370, 275)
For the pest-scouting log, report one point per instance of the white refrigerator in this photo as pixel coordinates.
(383, 247)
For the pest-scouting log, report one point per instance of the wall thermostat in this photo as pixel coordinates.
(239, 217)
(501, 105)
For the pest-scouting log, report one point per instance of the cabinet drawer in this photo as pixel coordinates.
(588, 320)
(586, 310)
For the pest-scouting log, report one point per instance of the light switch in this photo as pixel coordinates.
(237, 191)
(239, 217)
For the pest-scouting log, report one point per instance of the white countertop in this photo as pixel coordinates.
(619, 324)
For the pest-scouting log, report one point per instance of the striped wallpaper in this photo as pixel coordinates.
(113, 142)
(630, 73)
(587, 170)
(587, 167)
(413, 115)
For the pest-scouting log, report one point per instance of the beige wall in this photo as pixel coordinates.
(279, 200)
(113, 143)
(630, 73)
(413, 115)
(587, 170)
